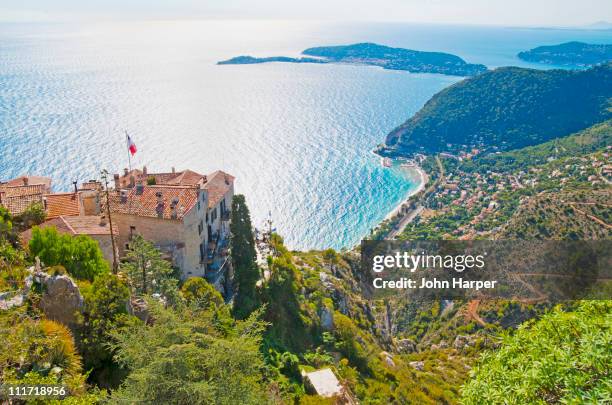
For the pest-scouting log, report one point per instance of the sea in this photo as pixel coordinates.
(297, 137)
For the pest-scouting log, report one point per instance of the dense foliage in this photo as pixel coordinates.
(584, 142)
(80, 255)
(564, 357)
(147, 270)
(188, 360)
(397, 59)
(105, 311)
(507, 108)
(242, 246)
(569, 53)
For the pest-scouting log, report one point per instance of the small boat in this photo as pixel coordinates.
(386, 162)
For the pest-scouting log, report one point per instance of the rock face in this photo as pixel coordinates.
(417, 365)
(61, 299)
(388, 358)
(327, 319)
(406, 346)
(138, 307)
(462, 341)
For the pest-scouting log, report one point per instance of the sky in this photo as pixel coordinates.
(490, 12)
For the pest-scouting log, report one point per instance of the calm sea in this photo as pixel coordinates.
(297, 137)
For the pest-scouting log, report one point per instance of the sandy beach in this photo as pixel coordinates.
(424, 179)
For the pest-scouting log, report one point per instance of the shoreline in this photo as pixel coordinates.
(396, 210)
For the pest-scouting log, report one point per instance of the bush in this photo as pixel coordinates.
(80, 255)
(562, 358)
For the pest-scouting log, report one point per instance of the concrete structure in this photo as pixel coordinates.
(325, 384)
(93, 226)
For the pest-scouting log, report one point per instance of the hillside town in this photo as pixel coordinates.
(183, 213)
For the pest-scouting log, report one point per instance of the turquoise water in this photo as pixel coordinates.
(297, 137)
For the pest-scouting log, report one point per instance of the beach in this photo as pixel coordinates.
(424, 179)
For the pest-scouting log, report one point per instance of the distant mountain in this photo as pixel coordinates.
(507, 108)
(600, 25)
(250, 60)
(569, 53)
(377, 55)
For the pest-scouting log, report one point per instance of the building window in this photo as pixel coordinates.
(199, 205)
(132, 231)
(200, 227)
(202, 253)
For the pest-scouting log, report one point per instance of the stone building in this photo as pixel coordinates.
(219, 190)
(18, 194)
(172, 217)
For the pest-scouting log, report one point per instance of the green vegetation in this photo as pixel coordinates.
(562, 358)
(33, 215)
(584, 142)
(188, 360)
(105, 311)
(244, 258)
(569, 54)
(376, 55)
(197, 291)
(553, 190)
(147, 270)
(507, 108)
(80, 255)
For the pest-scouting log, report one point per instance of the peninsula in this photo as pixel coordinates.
(569, 54)
(376, 55)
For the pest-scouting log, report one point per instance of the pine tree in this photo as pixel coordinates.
(148, 271)
(244, 256)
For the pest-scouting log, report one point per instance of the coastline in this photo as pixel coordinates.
(424, 179)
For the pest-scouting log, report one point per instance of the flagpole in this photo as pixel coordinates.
(127, 143)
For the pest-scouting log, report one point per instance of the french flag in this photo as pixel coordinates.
(131, 145)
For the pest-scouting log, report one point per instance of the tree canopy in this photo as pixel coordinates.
(80, 255)
(244, 258)
(564, 357)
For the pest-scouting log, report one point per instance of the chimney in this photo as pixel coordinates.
(160, 204)
(117, 181)
(25, 180)
(132, 181)
(144, 171)
(125, 171)
(76, 188)
(173, 170)
(139, 188)
(173, 205)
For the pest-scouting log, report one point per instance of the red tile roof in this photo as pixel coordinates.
(74, 225)
(146, 204)
(59, 204)
(182, 178)
(17, 198)
(187, 178)
(218, 184)
(29, 181)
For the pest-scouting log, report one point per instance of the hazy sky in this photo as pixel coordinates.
(503, 12)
